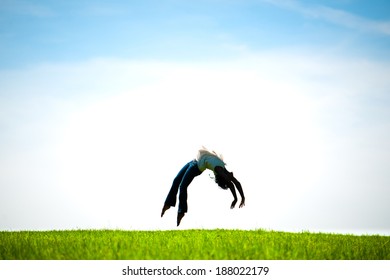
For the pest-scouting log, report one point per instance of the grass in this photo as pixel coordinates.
(190, 245)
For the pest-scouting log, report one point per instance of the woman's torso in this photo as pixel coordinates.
(209, 160)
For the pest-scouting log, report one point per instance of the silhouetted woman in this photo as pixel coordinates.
(204, 160)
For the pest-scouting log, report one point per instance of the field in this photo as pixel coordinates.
(190, 245)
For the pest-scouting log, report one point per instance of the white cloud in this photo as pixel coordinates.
(335, 16)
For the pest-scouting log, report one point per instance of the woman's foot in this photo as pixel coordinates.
(179, 217)
(165, 208)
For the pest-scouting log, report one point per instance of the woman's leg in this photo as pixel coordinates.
(191, 172)
(171, 198)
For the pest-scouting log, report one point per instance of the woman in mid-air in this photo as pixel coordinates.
(204, 160)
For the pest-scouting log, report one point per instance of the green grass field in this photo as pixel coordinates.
(190, 245)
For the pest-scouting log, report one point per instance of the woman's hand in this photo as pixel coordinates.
(233, 204)
(242, 204)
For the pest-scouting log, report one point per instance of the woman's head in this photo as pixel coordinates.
(221, 182)
(222, 178)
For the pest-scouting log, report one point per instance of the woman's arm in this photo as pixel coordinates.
(232, 182)
(233, 190)
(239, 188)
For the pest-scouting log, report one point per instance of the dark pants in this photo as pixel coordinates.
(181, 183)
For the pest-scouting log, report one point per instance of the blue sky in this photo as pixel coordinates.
(102, 102)
(46, 31)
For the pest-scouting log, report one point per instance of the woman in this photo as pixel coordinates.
(204, 160)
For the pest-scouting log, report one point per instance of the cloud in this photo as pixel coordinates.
(336, 16)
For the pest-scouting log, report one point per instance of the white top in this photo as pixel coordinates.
(208, 160)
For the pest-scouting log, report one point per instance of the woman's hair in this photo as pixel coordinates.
(221, 182)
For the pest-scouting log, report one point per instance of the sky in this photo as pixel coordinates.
(103, 102)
